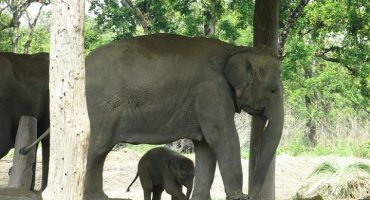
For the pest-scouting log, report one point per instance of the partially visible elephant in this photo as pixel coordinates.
(163, 169)
(24, 90)
(159, 88)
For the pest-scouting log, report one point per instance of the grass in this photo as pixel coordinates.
(296, 147)
(332, 181)
(336, 145)
(10, 154)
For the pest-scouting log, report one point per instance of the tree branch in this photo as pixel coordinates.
(32, 26)
(322, 54)
(289, 25)
(138, 14)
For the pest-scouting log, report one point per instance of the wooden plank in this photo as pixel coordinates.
(22, 171)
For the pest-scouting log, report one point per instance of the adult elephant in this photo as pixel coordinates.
(24, 90)
(160, 88)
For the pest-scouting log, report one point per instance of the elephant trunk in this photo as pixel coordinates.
(189, 188)
(266, 133)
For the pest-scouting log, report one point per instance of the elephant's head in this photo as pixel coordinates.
(254, 75)
(183, 171)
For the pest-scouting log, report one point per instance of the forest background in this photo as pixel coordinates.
(324, 50)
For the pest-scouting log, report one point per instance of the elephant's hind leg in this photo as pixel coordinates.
(157, 193)
(205, 165)
(94, 176)
(147, 184)
(6, 139)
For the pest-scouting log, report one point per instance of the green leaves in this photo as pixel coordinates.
(232, 19)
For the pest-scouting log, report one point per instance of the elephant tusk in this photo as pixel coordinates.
(266, 124)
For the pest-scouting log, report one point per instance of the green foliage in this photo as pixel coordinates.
(339, 29)
(95, 37)
(337, 145)
(233, 20)
(5, 41)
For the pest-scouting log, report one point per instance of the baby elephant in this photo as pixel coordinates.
(163, 169)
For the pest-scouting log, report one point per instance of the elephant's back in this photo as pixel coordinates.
(159, 154)
(26, 66)
(24, 84)
(151, 64)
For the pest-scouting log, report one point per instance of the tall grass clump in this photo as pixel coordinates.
(333, 182)
(342, 135)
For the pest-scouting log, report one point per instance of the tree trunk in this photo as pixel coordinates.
(265, 22)
(209, 26)
(310, 133)
(69, 123)
(15, 38)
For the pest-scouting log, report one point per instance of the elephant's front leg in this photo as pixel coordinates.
(215, 112)
(205, 165)
(174, 189)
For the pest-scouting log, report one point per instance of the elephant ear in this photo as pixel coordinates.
(238, 71)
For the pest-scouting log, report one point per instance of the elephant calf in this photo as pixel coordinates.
(163, 169)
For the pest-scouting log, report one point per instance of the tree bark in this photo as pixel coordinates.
(15, 37)
(22, 171)
(265, 23)
(138, 14)
(31, 25)
(69, 123)
(292, 19)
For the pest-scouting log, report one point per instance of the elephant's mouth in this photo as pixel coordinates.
(253, 111)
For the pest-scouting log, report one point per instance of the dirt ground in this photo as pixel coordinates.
(121, 166)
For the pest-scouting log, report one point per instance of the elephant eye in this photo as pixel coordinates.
(273, 90)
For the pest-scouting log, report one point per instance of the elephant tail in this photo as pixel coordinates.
(128, 189)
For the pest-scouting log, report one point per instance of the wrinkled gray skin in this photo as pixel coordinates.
(163, 169)
(24, 90)
(160, 88)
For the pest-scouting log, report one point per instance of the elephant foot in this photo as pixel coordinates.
(238, 197)
(96, 196)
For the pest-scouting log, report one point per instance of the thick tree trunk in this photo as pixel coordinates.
(265, 22)
(70, 128)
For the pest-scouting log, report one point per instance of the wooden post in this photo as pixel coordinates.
(22, 171)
